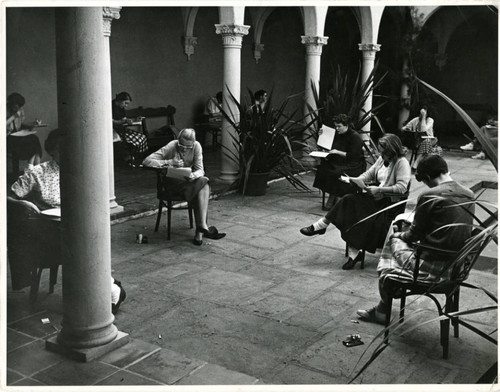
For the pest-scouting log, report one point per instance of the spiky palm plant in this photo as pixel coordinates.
(265, 141)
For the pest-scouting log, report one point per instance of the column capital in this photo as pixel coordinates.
(314, 44)
(108, 14)
(232, 35)
(189, 43)
(369, 47)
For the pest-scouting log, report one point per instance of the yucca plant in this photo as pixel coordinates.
(347, 95)
(265, 141)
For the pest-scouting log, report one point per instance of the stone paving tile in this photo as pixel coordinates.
(75, 373)
(222, 262)
(303, 288)
(216, 375)
(28, 359)
(124, 377)
(13, 377)
(166, 366)
(34, 326)
(132, 352)
(27, 382)
(275, 274)
(16, 339)
(298, 375)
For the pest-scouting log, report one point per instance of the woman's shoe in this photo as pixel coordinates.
(350, 263)
(196, 241)
(212, 233)
(309, 231)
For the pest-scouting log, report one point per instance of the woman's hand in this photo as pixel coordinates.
(375, 191)
(177, 162)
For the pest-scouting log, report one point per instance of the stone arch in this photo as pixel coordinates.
(189, 41)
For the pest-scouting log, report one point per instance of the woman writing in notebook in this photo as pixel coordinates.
(186, 152)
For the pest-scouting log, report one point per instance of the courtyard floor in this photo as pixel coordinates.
(265, 305)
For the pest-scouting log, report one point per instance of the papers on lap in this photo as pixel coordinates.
(52, 213)
(23, 132)
(325, 140)
(357, 181)
(178, 172)
(319, 154)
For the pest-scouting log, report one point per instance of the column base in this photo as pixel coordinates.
(115, 209)
(87, 354)
(228, 177)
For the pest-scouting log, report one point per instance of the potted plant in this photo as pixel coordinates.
(264, 141)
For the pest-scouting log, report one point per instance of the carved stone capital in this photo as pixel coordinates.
(257, 51)
(232, 35)
(189, 44)
(314, 44)
(108, 14)
(440, 59)
(369, 51)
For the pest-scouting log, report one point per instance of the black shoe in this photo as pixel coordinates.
(212, 233)
(309, 231)
(123, 295)
(350, 263)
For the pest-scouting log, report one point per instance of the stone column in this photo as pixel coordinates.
(232, 37)
(108, 14)
(82, 87)
(405, 96)
(314, 48)
(368, 52)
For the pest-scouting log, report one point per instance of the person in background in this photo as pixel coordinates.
(136, 141)
(446, 202)
(423, 126)
(212, 109)
(38, 190)
(345, 158)
(260, 100)
(195, 189)
(24, 147)
(490, 130)
(390, 176)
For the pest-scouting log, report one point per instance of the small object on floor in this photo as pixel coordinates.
(355, 321)
(309, 231)
(467, 147)
(138, 238)
(353, 340)
(372, 315)
(480, 155)
(144, 239)
(45, 321)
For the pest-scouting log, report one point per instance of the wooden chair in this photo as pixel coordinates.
(460, 266)
(33, 244)
(167, 201)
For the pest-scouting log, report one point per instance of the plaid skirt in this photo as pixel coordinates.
(397, 261)
(136, 141)
(429, 146)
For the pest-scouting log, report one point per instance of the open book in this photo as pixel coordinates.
(178, 172)
(357, 181)
(52, 213)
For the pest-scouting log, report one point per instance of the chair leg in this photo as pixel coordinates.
(346, 249)
(362, 259)
(445, 328)
(402, 306)
(388, 320)
(323, 200)
(158, 218)
(190, 212)
(454, 320)
(53, 278)
(36, 274)
(169, 218)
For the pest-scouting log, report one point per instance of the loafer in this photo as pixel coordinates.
(123, 295)
(309, 231)
(372, 315)
(350, 263)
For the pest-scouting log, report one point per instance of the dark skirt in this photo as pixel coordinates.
(350, 209)
(327, 178)
(24, 147)
(175, 189)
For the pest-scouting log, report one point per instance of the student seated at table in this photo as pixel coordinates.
(187, 152)
(444, 203)
(37, 190)
(345, 158)
(390, 176)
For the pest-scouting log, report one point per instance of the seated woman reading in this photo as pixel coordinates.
(390, 176)
(37, 190)
(346, 157)
(187, 152)
(443, 220)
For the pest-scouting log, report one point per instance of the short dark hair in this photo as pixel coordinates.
(15, 99)
(123, 96)
(392, 145)
(431, 166)
(54, 140)
(343, 119)
(259, 93)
